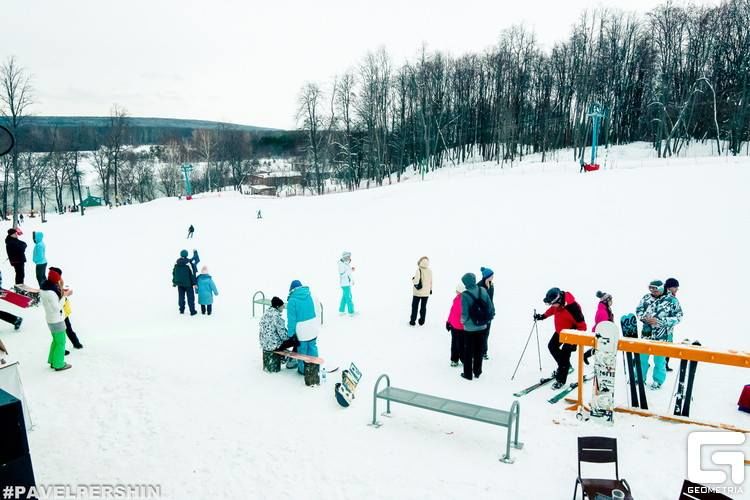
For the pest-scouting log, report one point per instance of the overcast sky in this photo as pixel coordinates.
(242, 61)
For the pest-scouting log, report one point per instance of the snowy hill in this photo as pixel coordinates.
(155, 397)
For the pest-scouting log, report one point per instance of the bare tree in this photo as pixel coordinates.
(16, 96)
(309, 116)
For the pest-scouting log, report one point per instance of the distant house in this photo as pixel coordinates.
(263, 189)
(275, 179)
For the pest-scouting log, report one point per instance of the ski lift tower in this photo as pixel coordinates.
(596, 113)
(186, 169)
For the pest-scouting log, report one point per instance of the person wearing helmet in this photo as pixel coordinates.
(568, 315)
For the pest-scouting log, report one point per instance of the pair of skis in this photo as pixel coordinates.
(684, 393)
(629, 326)
(554, 399)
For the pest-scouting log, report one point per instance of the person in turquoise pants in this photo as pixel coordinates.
(345, 279)
(661, 316)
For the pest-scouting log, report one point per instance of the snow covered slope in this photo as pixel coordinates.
(156, 397)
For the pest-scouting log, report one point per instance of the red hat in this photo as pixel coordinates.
(54, 276)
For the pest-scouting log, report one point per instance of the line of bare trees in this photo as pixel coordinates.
(678, 74)
(124, 172)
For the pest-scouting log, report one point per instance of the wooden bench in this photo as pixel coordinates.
(508, 419)
(312, 364)
(264, 302)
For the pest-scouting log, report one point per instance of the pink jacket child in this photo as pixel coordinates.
(454, 317)
(455, 326)
(603, 313)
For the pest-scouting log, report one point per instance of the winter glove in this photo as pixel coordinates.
(447, 326)
(538, 317)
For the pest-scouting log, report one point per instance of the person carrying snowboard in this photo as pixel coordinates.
(476, 313)
(603, 313)
(568, 315)
(455, 327)
(6, 316)
(346, 281)
(488, 283)
(184, 279)
(303, 321)
(661, 316)
(206, 291)
(421, 290)
(191, 230)
(16, 250)
(52, 300)
(39, 256)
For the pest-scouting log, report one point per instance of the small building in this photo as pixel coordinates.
(262, 189)
(92, 201)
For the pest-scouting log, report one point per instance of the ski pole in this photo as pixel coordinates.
(524, 348)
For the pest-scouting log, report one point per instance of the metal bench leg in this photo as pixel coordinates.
(375, 422)
(516, 443)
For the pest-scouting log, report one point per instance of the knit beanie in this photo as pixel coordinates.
(469, 280)
(295, 284)
(11, 231)
(183, 254)
(603, 296)
(346, 255)
(53, 276)
(486, 272)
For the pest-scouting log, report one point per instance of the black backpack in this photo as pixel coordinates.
(479, 311)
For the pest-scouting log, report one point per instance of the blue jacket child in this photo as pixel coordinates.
(206, 290)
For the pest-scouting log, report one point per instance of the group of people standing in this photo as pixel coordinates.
(53, 295)
(659, 311)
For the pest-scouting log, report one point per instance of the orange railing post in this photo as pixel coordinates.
(640, 346)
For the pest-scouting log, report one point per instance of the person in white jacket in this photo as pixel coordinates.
(345, 279)
(52, 299)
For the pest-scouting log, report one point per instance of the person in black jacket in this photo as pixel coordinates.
(184, 279)
(16, 250)
(191, 230)
(487, 282)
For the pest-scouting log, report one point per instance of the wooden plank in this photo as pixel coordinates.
(666, 418)
(672, 350)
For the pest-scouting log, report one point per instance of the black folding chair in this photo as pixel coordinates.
(600, 450)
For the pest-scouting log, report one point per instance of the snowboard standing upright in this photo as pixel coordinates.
(605, 365)
(629, 325)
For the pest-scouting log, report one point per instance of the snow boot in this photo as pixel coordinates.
(291, 364)
(65, 367)
(17, 323)
(557, 385)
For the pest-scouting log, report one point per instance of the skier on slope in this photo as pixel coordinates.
(661, 316)
(346, 281)
(603, 313)
(568, 315)
(191, 230)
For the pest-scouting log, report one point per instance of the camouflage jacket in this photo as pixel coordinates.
(272, 330)
(668, 312)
